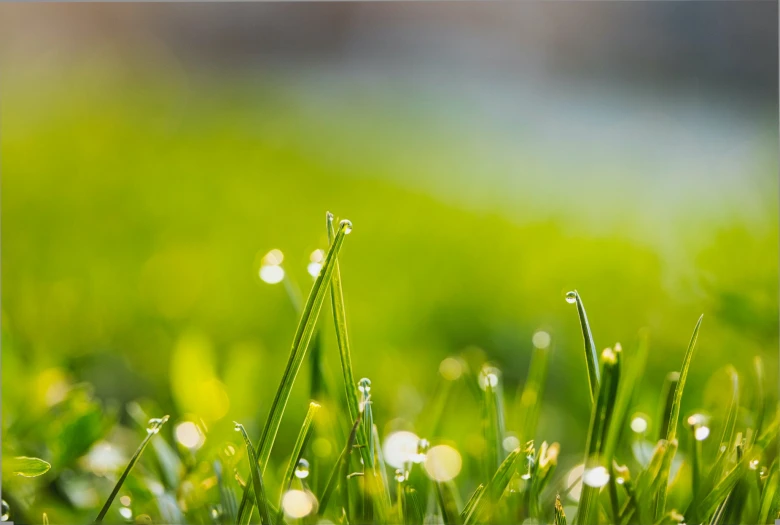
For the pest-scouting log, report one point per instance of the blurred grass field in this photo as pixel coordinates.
(138, 202)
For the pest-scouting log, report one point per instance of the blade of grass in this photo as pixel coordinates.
(467, 509)
(600, 420)
(446, 499)
(154, 427)
(674, 414)
(301, 340)
(668, 394)
(340, 320)
(530, 399)
(300, 443)
(489, 497)
(760, 394)
(559, 517)
(591, 354)
(333, 479)
(769, 495)
(257, 477)
(493, 416)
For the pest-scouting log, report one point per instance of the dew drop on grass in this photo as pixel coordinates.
(489, 377)
(347, 225)
(364, 385)
(302, 469)
(5, 511)
(155, 424)
(400, 477)
(571, 297)
(126, 512)
(422, 450)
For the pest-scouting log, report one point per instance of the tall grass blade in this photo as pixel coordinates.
(154, 427)
(601, 416)
(342, 336)
(300, 443)
(493, 417)
(447, 504)
(591, 354)
(769, 495)
(487, 499)
(467, 509)
(301, 340)
(674, 414)
(257, 477)
(760, 394)
(668, 394)
(334, 478)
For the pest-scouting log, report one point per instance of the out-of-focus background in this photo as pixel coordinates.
(491, 157)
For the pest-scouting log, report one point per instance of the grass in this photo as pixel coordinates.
(690, 477)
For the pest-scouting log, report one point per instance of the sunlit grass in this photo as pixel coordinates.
(400, 476)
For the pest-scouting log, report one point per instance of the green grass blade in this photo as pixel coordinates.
(530, 399)
(342, 336)
(257, 477)
(674, 414)
(721, 491)
(333, 479)
(300, 443)
(488, 498)
(447, 504)
(769, 495)
(152, 430)
(600, 419)
(303, 335)
(29, 467)
(591, 354)
(467, 509)
(492, 417)
(668, 394)
(760, 394)
(627, 386)
(559, 517)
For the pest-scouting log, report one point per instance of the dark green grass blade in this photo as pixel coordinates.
(257, 477)
(591, 354)
(303, 335)
(152, 430)
(333, 479)
(342, 336)
(668, 394)
(300, 443)
(600, 420)
(674, 414)
(493, 417)
(447, 504)
(530, 399)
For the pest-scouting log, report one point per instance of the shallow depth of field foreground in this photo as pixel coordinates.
(548, 293)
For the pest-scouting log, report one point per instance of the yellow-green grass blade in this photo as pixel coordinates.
(475, 496)
(674, 414)
(591, 354)
(559, 517)
(668, 395)
(760, 394)
(342, 335)
(29, 467)
(600, 420)
(257, 477)
(300, 345)
(300, 443)
(154, 427)
(487, 499)
(493, 422)
(769, 495)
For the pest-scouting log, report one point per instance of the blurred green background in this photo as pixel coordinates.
(490, 160)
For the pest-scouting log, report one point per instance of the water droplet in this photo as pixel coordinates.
(237, 426)
(530, 459)
(422, 450)
(346, 225)
(216, 511)
(571, 297)
(5, 511)
(302, 469)
(701, 433)
(400, 477)
(155, 424)
(489, 376)
(364, 385)
(754, 464)
(314, 268)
